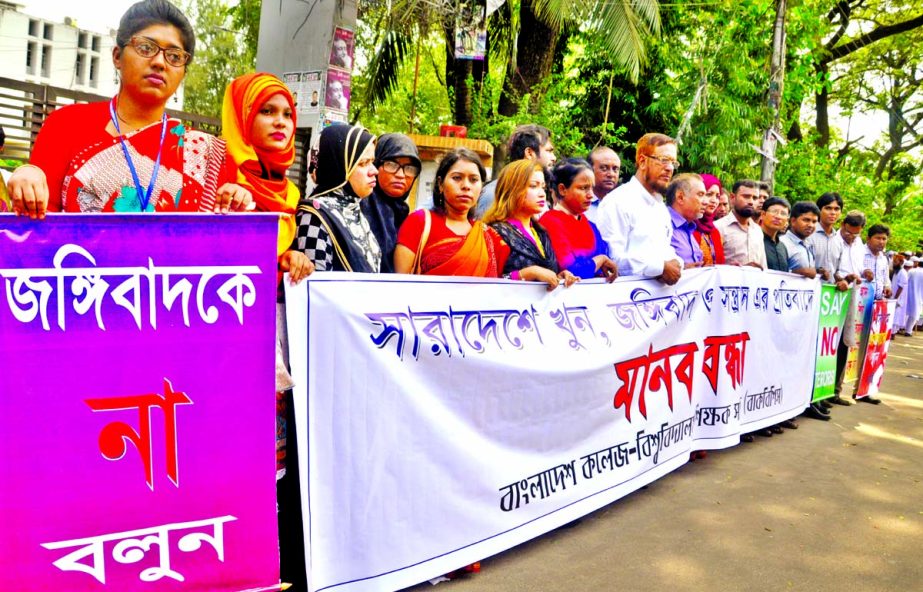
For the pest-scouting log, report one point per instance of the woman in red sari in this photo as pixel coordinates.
(447, 240)
(126, 154)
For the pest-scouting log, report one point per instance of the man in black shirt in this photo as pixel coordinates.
(773, 222)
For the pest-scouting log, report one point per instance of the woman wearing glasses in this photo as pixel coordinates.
(398, 164)
(126, 154)
(446, 240)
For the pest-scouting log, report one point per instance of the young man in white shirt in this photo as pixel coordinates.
(633, 219)
(848, 272)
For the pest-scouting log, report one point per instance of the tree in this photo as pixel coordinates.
(623, 28)
(875, 20)
(223, 51)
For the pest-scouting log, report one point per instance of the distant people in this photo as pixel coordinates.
(332, 230)
(446, 240)
(741, 238)
(635, 222)
(764, 194)
(398, 164)
(520, 197)
(773, 223)
(914, 296)
(899, 284)
(802, 222)
(724, 207)
(708, 236)
(526, 142)
(684, 198)
(340, 55)
(827, 247)
(606, 168)
(109, 151)
(577, 244)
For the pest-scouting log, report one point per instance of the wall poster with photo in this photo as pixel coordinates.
(341, 52)
(338, 90)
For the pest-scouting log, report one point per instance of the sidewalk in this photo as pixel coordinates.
(832, 506)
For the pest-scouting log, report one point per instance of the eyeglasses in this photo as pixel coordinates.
(778, 214)
(665, 161)
(391, 167)
(147, 48)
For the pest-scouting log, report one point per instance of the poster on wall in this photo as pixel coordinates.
(307, 88)
(341, 52)
(471, 31)
(312, 85)
(338, 90)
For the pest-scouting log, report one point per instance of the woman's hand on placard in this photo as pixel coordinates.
(28, 189)
(296, 264)
(232, 198)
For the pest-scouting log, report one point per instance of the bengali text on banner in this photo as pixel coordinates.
(463, 416)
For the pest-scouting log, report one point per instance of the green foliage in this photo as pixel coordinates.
(225, 49)
(707, 82)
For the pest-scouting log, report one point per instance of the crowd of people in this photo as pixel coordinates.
(540, 220)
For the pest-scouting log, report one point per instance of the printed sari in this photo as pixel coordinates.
(98, 178)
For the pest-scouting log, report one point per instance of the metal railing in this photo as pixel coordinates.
(24, 106)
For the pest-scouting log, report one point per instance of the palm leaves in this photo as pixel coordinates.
(623, 27)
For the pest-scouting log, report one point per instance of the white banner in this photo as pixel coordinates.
(449, 419)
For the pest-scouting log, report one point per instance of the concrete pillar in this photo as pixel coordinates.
(296, 44)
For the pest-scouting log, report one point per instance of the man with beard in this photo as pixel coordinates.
(741, 237)
(606, 167)
(398, 164)
(633, 219)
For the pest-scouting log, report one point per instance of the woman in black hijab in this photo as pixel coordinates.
(332, 231)
(398, 164)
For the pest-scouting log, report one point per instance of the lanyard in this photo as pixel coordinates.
(144, 197)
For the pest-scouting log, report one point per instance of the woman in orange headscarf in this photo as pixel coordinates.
(258, 120)
(258, 124)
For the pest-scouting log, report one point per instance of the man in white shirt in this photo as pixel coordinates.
(633, 219)
(741, 237)
(875, 264)
(606, 168)
(848, 272)
(824, 240)
(914, 296)
(900, 293)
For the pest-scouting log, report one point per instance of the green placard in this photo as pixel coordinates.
(833, 307)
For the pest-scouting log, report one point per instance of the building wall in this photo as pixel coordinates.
(59, 54)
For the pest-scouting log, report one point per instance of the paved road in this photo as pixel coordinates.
(833, 506)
